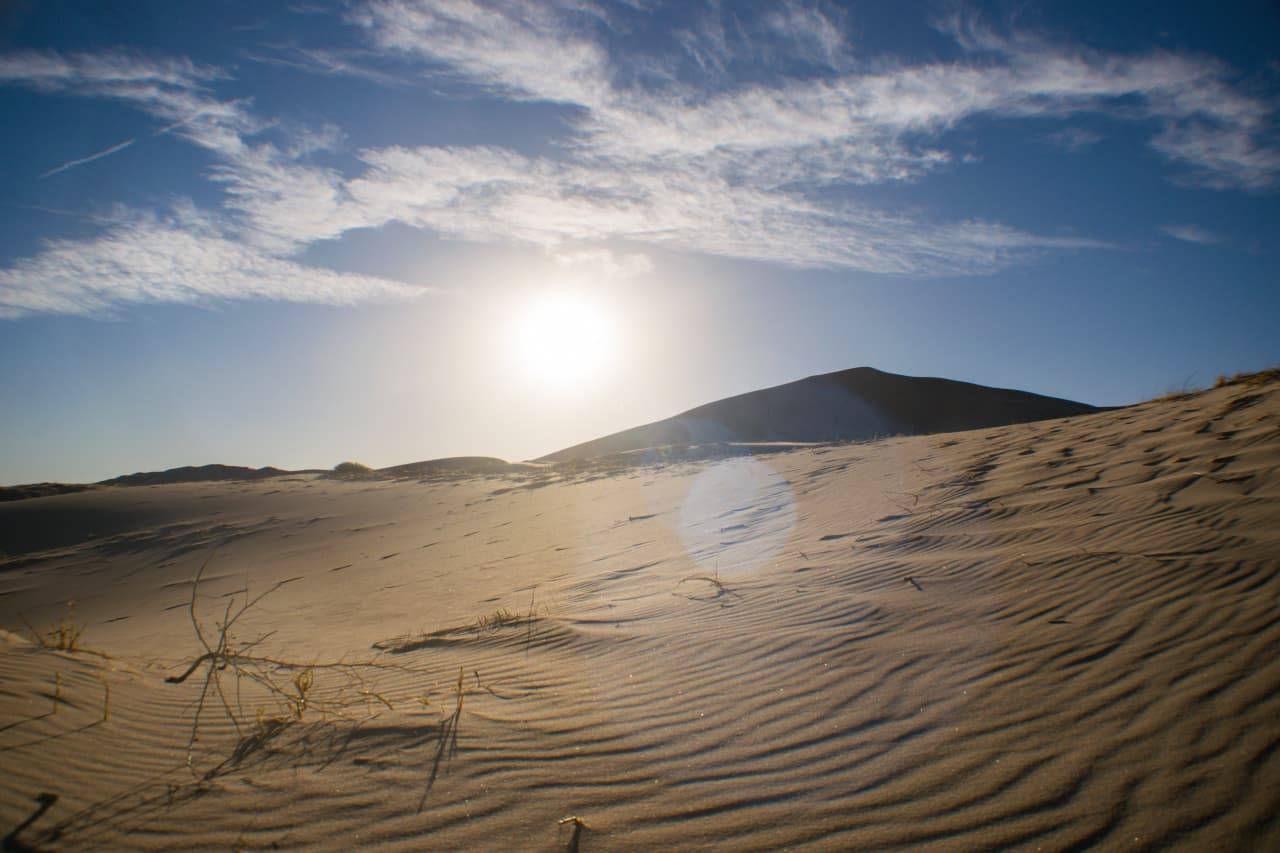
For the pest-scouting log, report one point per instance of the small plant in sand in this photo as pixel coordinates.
(352, 471)
(491, 623)
(229, 664)
(496, 620)
(58, 700)
(447, 744)
(1260, 377)
(63, 637)
(302, 683)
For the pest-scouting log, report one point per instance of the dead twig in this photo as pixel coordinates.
(223, 654)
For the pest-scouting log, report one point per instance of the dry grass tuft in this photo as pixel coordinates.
(1175, 396)
(498, 619)
(239, 663)
(352, 471)
(1257, 377)
(447, 740)
(63, 637)
(1186, 390)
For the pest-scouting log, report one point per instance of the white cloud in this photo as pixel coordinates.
(688, 159)
(812, 33)
(742, 169)
(731, 174)
(105, 73)
(181, 258)
(1191, 234)
(176, 91)
(604, 263)
(327, 62)
(1220, 156)
(1223, 137)
(521, 49)
(187, 256)
(488, 194)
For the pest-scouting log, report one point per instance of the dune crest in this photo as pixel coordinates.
(849, 405)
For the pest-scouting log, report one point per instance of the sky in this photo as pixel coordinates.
(299, 233)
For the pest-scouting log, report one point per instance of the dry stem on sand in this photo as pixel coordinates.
(239, 661)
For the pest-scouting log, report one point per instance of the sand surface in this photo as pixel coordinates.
(1040, 636)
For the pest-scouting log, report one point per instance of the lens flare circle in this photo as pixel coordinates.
(737, 517)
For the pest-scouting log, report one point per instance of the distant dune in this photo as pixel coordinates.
(40, 490)
(453, 466)
(194, 474)
(848, 405)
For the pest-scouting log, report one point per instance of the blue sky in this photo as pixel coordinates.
(298, 233)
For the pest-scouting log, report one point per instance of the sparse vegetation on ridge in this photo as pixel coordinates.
(63, 637)
(1256, 377)
(352, 471)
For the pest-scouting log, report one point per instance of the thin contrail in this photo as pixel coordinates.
(107, 152)
(71, 164)
(88, 217)
(179, 123)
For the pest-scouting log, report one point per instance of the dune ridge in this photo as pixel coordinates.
(1047, 635)
(849, 405)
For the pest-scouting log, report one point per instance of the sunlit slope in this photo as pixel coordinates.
(849, 405)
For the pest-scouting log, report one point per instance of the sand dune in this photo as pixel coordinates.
(195, 474)
(1047, 635)
(848, 405)
(39, 490)
(453, 466)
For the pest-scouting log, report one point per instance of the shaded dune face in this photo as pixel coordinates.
(850, 405)
(1049, 635)
(811, 413)
(194, 474)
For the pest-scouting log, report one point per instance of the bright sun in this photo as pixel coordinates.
(563, 339)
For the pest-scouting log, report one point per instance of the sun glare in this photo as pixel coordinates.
(563, 340)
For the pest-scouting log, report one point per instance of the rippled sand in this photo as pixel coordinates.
(1039, 636)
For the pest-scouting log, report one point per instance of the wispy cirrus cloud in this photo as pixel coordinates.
(1191, 234)
(1221, 155)
(553, 52)
(738, 170)
(812, 33)
(722, 172)
(604, 264)
(1221, 136)
(174, 90)
(669, 150)
(493, 194)
(184, 257)
(541, 51)
(108, 73)
(327, 62)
